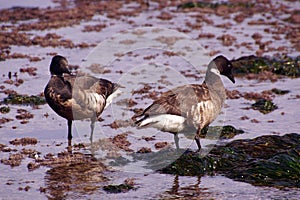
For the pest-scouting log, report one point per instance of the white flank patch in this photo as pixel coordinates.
(205, 106)
(112, 96)
(209, 112)
(215, 71)
(96, 101)
(165, 122)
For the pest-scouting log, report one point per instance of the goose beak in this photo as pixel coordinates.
(68, 70)
(231, 77)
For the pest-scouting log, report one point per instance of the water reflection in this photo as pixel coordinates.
(74, 180)
(186, 191)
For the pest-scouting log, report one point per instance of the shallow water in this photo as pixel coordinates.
(140, 65)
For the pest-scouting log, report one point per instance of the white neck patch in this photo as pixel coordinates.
(215, 71)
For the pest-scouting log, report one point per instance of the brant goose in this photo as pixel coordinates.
(76, 97)
(191, 105)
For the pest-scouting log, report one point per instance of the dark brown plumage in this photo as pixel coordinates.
(76, 97)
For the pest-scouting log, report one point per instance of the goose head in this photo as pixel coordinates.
(59, 66)
(224, 67)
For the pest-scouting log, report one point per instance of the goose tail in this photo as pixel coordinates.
(116, 91)
(144, 122)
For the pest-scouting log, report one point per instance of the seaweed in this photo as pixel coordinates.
(80, 175)
(203, 4)
(279, 91)
(24, 99)
(264, 106)
(265, 161)
(4, 109)
(252, 64)
(226, 132)
(118, 188)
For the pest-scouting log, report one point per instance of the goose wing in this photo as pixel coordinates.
(90, 84)
(78, 97)
(90, 93)
(179, 101)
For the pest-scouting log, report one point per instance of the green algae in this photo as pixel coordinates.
(24, 99)
(118, 188)
(252, 64)
(190, 164)
(226, 132)
(264, 106)
(267, 160)
(202, 4)
(4, 109)
(283, 170)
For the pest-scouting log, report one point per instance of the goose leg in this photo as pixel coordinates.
(93, 120)
(197, 139)
(69, 130)
(176, 139)
(69, 135)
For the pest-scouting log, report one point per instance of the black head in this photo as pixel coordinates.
(59, 65)
(224, 66)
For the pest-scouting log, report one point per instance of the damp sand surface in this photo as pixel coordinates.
(148, 55)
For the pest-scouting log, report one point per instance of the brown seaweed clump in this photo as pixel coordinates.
(24, 141)
(70, 173)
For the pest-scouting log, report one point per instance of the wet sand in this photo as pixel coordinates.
(33, 143)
